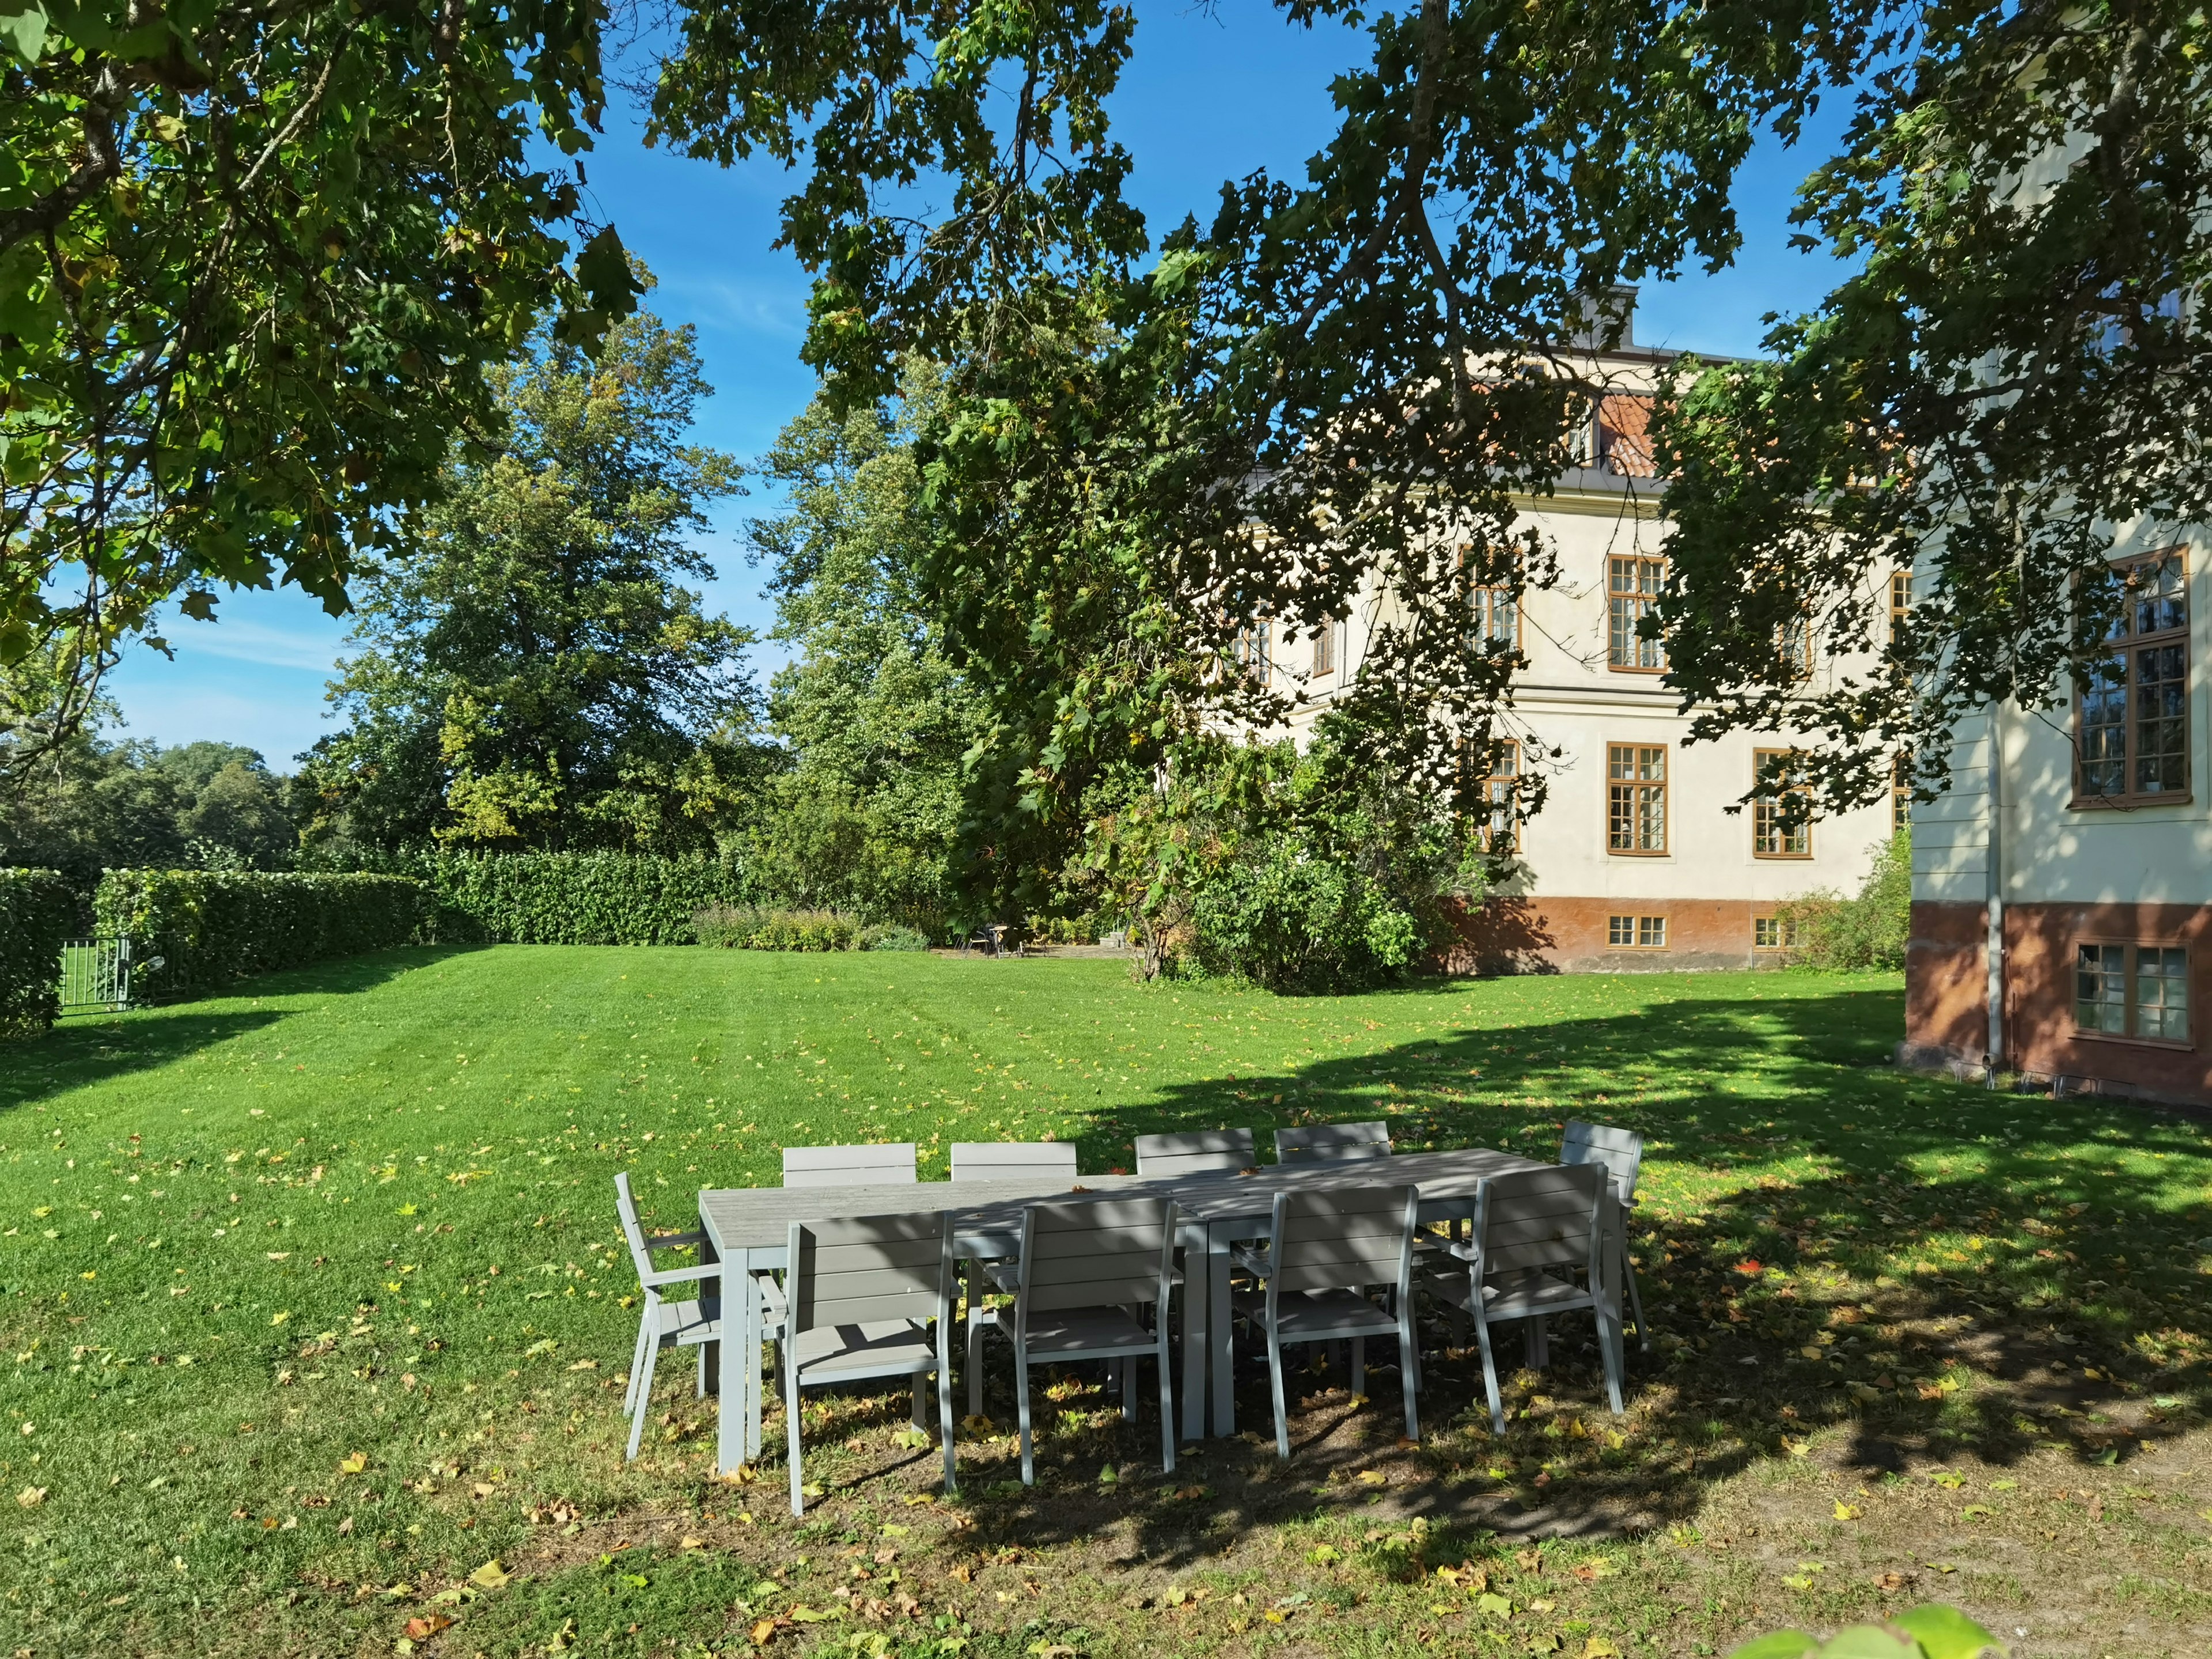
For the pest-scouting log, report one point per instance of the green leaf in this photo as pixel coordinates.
(1944, 1632)
(25, 31)
(1870, 1642)
(1782, 1644)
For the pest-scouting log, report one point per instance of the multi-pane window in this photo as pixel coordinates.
(1635, 798)
(1328, 646)
(2132, 990)
(1900, 602)
(1793, 644)
(2132, 718)
(1780, 830)
(1256, 650)
(1502, 789)
(1901, 793)
(1496, 617)
(1776, 933)
(1636, 933)
(1633, 588)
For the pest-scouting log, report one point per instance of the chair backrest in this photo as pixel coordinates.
(1332, 1141)
(1105, 1253)
(891, 1164)
(633, 1230)
(1344, 1238)
(1536, 1219)
(1619, 1150)
(857, 1270)
(1013, 1160)
(1204, 1151)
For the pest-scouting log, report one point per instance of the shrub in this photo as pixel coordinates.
(893, 937)
(760, 928)
(1869, 930)
(578, 898)
(38, 911)
(211, 926)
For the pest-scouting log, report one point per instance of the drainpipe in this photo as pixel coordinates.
(1995, 949)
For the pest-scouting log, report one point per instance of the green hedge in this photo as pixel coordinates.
(757, 928)
(209, 927)
(578, 898)
(38, 911)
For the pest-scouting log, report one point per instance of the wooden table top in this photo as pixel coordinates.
(760, 1217)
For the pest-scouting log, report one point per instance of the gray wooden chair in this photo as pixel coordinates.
(1621, 1153)
(1203, 1151)
(1084, 1269)
(861, 1292)
(1532, 1231)
(890, 1165)
(1332, 1142)
(1042, 1161)
(1325, 1252)
(663, 1323)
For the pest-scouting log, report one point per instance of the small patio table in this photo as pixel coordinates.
(747, 1229)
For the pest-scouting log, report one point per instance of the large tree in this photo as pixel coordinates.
(875, 719)
(254, 258)
(534, 672)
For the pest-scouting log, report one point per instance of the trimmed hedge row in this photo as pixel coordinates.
(209, 927)
(578, 898)
(38, 911)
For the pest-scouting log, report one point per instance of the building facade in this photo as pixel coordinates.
(1640, 858)
(2062, 914)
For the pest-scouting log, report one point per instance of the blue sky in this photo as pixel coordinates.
(1210, 94)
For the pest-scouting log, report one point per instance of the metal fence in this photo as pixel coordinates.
(96, 973)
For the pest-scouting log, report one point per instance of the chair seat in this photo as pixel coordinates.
(1525, 1296)
(1006, 1276)
(1317, 1315)
(873, 1349)
(1064, 1331)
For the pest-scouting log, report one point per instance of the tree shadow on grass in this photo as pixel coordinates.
(1935, 1269)
(83, 1050)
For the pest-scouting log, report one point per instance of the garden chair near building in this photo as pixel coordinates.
(868, 1296)
(1534, 1231)
(1326, 1252)
(1620, 1152)
(1085, 1270)
(1334, 1142)
(1203, 1151)
(663, 1323)
(890, 1165)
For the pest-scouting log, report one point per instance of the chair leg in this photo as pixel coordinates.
(974, 1340)
(791, 1423)
(1609, 1346)
(1359, 1364)
(1022, 1398)
(1408, 1381)
(1490, 1377)
(1128, 1367)
(1275, 1384)
(1167, 1404)
(644, 1402)
(944, 1418)
(636, 1362)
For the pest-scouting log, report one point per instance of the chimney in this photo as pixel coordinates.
(1595, 314)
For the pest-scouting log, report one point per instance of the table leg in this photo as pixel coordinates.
(1221, 1376)
(754, 1387)
(1196, 1282)
(730, 1412)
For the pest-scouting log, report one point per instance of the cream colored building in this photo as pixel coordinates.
(1635, 861)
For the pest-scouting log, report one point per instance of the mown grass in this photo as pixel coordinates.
(1917, 1340)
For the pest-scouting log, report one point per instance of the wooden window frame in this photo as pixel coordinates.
(1901, 793)
(1789, 934)
(1636, 564)
(1510, 803)
(2131, 642)
(2129, 976)
(1763, 812)
(1639, 926)
(1664, 783)
(1256, 651)
(1328, 648)
(1900, 602)
(1483, 602)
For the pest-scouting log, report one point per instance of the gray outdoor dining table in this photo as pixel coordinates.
(748, 1229)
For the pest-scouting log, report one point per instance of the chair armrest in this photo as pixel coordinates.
(673, 1241)
(1258, 1263)
(771, 1295)
(1006, 1276)
(654, 1281)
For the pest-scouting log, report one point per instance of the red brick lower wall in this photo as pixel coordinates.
(1572, 935)
(1946, 1000)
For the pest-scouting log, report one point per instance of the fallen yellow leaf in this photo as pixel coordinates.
(491, 1575)
(31, 1497)
(1846, 1511)
(353, 1462)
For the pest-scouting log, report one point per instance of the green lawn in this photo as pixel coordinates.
(1917, 1340)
